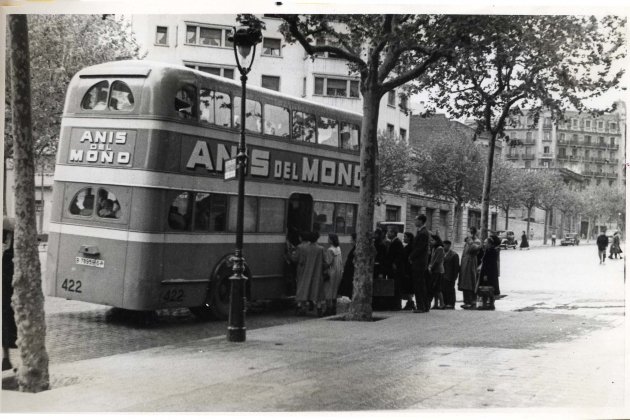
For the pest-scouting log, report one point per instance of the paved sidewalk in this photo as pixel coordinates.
(405, 361)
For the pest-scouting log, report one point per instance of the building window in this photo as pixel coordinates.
(271, 82)
(600, 125)
(304, 87)
(390, 130)
(587, 154)
(602, 141)
(391, 98)
(528, 164)
(528, 136)
(328, 86)
(612, 141)
(574, 152)
(161, 35)
(587, 124)
(574, 123)
(403, 134)
(612, 127)
(403, 105)
(227, 72)
(562, 152)
(546, 149)
(322, 42)
(587, 139)
(207, 36)
(546, 135)
(392, 213)
(272, 47)
(574, 137)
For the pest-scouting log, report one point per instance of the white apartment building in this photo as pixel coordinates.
(200, 42)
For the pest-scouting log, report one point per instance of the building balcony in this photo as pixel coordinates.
(529, 142)
(528, 156)
(512, 157)
(563, 157)
(611, 175)
(548, 155)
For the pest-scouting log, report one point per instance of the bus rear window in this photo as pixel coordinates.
(96, 97)
(82, 203)
(107, 205)
(121, 98)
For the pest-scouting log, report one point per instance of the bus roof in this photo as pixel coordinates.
(142, 68)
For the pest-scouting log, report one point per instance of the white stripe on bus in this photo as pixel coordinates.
(171, 238)
(202, 132)
(175, 238)
(149, 179)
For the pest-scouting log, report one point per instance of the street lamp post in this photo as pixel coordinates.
(243, 38)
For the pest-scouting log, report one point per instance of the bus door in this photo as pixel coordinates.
(299, 216)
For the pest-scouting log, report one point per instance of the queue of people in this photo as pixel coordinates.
(424, 269)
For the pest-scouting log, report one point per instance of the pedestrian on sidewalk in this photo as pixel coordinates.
(488, 275)
(553, 239)
(451, 272)
(615, 248)
(334, 270)
(419, 260)
(602, 244)
(347, 278)
(406, 285)
(468, 269)
(436, 268)
(496, 241)
(9, 328)
(395, 264)
(310, 269)
(524, 242)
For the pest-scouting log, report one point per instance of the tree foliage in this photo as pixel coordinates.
(506, 190)
(61, 45)
(394, 163)
(516, 62)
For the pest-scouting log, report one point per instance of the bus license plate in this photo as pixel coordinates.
(91, 262)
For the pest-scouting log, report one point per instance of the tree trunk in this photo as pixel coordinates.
(589, 230)
(529, 213)
(507, 216)
(487, 183)
(545, 227)
(457, 223)
(361, 306)
(28, 299)
(41, 197)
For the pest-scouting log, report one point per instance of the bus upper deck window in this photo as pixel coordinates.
(304, 126)
(83, 203)
(328, 132)
(253, 115)
(107, 205)
(96, 97)
(349, 136)
(276, 120)
(121, 98)
(185, 102)
(215, 107)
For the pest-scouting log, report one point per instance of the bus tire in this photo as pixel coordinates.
(220, 286)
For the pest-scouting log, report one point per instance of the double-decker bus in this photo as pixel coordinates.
(143, 218)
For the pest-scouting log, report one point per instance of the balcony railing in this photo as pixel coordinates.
(529, 142)
(546, 155)
(528, 156)
(512, 157)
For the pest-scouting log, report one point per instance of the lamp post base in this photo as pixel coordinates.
(236, 334)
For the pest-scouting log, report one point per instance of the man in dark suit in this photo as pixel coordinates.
(419, 259)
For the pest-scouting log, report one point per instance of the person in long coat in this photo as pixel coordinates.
(436, 268)
(395, 263)
(347, 278)
(489, 273)
(468, 269)
(451, 272)
(334, 270)
(406, 284)
(524, 242)
(419, 259)
(9, 328)
(309, 257)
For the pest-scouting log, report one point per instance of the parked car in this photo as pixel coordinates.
(507, 238)
(570, 239)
